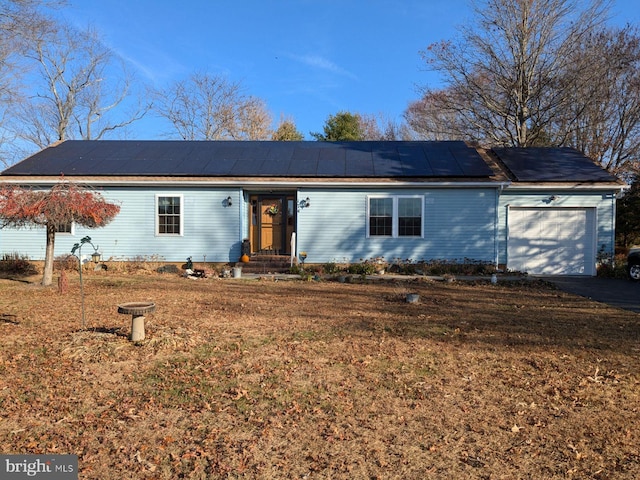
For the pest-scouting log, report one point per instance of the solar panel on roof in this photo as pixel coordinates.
(304, 162)
(245, 167)
(358, 163)
(441, 160)
(414, 163)
(255, 159)
(551, 165)
(386, 163)
(331, 162)
(195, 162)
(470, 162)
(218, 167)
(331, 167)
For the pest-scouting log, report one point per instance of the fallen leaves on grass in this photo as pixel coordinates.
(247, 379)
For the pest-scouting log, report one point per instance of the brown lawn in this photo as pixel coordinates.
(317, 380)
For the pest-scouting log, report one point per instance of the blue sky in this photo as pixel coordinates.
(307, 59)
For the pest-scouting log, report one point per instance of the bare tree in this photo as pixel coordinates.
(209, 107)
(18, 20)
(507, 75)
(603, 118)
(428, 121)
(76, 90)
(447, 115)
(379, 127)
(254, 120)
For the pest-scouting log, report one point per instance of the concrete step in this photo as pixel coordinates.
(261, 263)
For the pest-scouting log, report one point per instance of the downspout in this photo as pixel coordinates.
(243, 201)
(614, 216)
(614, 207)
(496, 226)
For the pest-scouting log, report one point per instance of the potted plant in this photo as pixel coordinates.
(379, 265)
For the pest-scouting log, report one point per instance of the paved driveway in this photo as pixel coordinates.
(617, 292)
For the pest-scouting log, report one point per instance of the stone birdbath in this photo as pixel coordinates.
(137, 310)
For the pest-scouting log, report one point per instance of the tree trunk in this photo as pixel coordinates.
(47, 276)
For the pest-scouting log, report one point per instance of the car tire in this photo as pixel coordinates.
(633, 268)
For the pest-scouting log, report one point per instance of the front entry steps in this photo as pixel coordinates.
(264, 264)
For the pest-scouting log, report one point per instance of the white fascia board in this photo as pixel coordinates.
(255, 183)
(564, 186)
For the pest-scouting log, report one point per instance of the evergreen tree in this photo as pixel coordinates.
(287, 132)
(342, 126)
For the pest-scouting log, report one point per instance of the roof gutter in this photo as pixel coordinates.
(564, 186)
(254, 183)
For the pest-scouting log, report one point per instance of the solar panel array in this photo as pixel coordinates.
(255, 159)
(552, 165)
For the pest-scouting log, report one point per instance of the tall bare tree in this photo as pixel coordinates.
(380, 127)
(210, 107)
(506, 76)
(77, 85)
(18, 20)
(435, 117)
(253, 121)
(603, 118)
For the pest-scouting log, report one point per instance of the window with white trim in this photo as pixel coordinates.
(409, 217)
(395, 216)
(381, 217)
(169, 214)
(65, 229)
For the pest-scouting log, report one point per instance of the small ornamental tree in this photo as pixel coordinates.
(65, 203)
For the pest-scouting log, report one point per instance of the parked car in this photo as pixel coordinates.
(633, 264)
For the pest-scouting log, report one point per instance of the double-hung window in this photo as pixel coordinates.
(169, 219)
(409, 216)
(381, 217)
(395, 216)
(65, 229)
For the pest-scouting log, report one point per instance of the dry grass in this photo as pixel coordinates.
(261, 379)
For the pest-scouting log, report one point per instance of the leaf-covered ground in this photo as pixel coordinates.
(317, 380)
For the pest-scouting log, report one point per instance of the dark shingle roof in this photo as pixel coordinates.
(551, 165)
(255, 159)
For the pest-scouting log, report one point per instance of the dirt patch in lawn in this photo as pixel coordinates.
(318, 380)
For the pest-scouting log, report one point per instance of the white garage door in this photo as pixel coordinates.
(552, 241)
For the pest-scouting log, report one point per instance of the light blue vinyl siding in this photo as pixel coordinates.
(603, 202)
(210, 228)
(458, 224)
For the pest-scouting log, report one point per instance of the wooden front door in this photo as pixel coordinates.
(272, 222)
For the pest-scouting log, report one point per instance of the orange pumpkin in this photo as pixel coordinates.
(244, 258)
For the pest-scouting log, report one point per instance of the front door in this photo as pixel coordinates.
(272, 223)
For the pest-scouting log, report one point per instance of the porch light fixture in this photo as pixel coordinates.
(306, 203)
(229, 201)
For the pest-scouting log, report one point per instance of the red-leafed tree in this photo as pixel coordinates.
(65, 203)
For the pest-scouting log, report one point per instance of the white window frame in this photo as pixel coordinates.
(157, 214)
(70, 233)
(395, 219)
